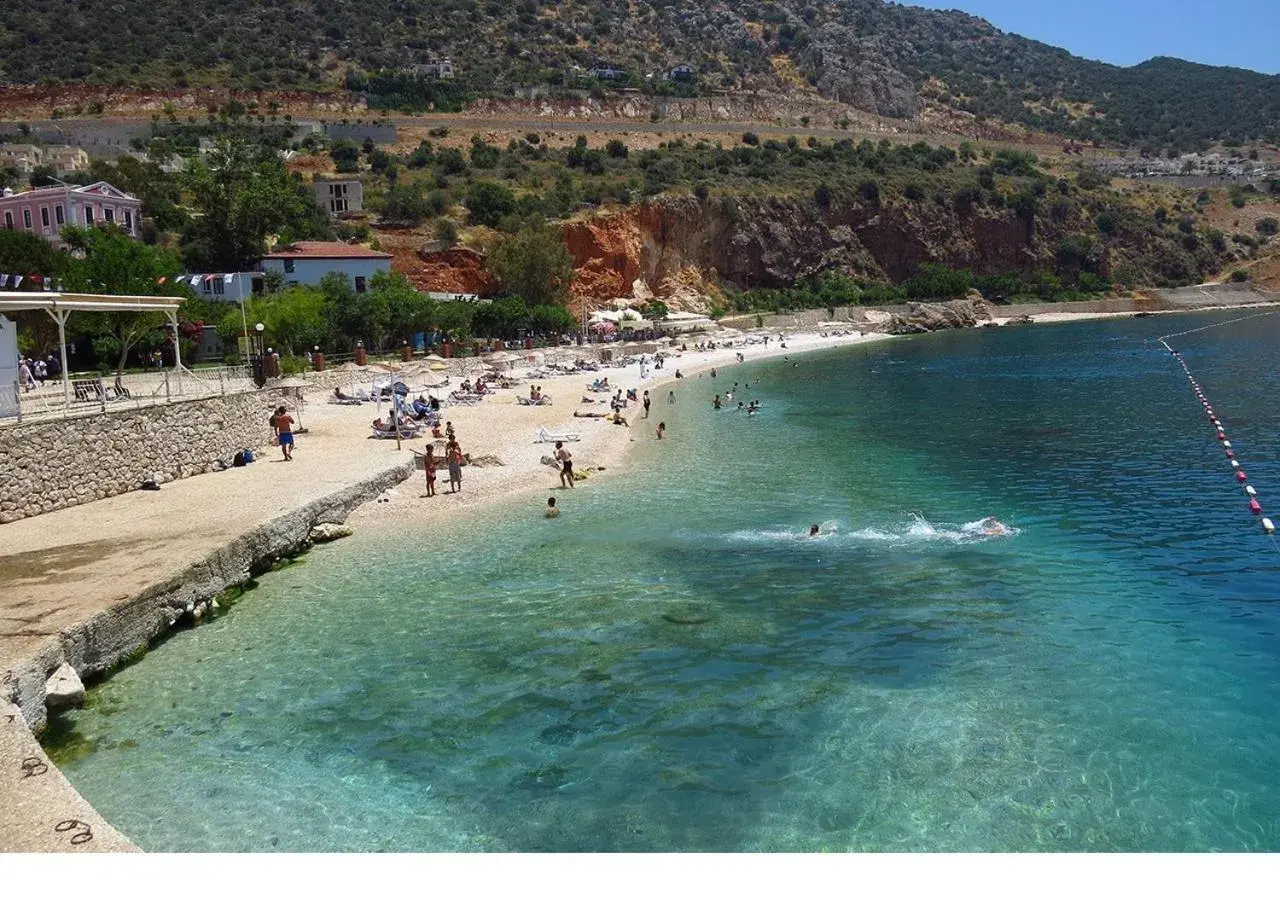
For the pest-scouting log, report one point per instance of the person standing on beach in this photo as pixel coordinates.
(646, 404)
(671, 396)
(284, 428)
(429, 467)
(453, 456)
(565, 458)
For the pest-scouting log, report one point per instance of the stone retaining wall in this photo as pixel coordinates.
(50, 465)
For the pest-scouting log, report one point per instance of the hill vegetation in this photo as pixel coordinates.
(884, 58)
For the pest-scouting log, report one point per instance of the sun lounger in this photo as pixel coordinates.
(548, 437)
(408, 429)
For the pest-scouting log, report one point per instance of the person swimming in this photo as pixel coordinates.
(814, 531)
(993, 527)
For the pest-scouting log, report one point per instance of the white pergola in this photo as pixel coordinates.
(60, 306)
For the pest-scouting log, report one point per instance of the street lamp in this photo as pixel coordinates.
(259, 364)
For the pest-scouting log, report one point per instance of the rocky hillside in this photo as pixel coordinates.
(880, 57)
(687, 251)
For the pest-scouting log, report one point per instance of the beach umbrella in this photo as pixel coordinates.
(296, 386)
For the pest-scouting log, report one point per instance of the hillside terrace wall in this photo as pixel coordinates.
(50, 465)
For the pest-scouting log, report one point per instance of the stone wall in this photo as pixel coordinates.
(49, 465)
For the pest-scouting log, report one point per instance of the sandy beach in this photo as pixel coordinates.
(500, 427)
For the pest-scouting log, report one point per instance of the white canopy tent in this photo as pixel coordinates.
(61, 305)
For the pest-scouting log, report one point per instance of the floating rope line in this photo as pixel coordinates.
(1255, 505)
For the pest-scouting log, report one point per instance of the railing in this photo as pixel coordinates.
(92, 394)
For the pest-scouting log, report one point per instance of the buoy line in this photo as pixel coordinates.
(1255, 505)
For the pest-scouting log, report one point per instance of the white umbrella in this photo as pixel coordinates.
(297, 385)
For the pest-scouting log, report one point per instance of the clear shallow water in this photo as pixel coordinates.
(669, 667)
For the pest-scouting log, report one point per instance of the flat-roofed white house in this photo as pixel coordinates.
(306, 262)
(46, 210)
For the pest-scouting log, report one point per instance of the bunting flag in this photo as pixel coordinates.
(208, 279)
(226, 279)
(17, 282)
(4, 280)
(161, 280)
(195, 281)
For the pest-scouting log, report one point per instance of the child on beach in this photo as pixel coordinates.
(429, 466)
(565, 458)
(662, 430)
(453, 456)
(552, 509)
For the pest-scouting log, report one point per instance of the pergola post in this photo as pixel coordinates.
(60, 316)
(177, 353)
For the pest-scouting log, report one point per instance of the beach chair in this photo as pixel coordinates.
(548, 437)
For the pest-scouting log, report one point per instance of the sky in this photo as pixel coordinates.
(1240, 33)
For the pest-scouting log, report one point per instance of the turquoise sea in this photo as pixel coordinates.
(671, 666)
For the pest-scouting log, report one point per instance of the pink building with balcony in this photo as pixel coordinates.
(46, 210)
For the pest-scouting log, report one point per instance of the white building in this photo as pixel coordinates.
(306, 262)
(229, 286)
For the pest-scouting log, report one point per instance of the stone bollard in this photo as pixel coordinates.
(317, 361)
(362, 357)
(406, 352)
(446, 349)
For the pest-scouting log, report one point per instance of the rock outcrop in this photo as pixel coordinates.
(329, 531)
(63, 690)
(925, 317)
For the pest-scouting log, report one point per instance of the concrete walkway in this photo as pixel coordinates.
(41, 811)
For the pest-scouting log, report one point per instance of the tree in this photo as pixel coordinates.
(405, 203)
(296, 319)
(243, 194)
(26, 254)
(408, 310)
(346, 156)
(43, 176)
(108, 261)
(488, 202)
(353, 317)
(535, 264)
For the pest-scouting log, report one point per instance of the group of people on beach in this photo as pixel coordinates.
(452, 459)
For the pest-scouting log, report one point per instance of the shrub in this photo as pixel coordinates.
(869, 190)
(616, 149)
(751, 139)
(1239, 275)
(1267, 226)
(488, 202)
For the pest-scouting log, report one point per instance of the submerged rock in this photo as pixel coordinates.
(64, 689)
(328, 531)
